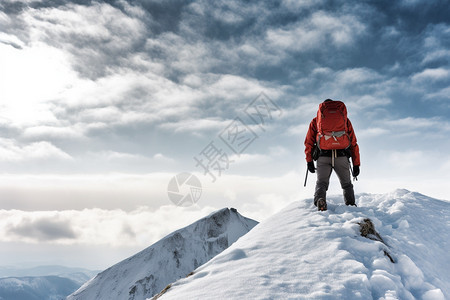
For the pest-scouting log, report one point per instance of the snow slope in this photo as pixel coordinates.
(300, 253)
(175, 256)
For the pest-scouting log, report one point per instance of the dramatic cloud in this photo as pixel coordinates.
(102, 102)
(40, 230)
(138, 78)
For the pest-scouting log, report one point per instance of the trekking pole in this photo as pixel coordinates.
(351, 170)
(306, 176)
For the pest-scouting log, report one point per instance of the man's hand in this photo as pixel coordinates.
(311, 167)
(355, 171)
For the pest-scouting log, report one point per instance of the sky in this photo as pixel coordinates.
(103, 103)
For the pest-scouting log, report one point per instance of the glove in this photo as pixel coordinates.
(311, 167)
(355, 171)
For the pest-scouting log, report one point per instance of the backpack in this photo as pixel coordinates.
(332, 131)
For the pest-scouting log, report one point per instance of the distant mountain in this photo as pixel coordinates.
(78, 275)
(173, 257)
(392, 246)
(41, 282)
(36, 288)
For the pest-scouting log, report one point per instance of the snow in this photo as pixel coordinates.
(175, 256)
(300, 253)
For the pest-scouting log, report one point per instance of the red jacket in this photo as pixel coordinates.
(311, 138)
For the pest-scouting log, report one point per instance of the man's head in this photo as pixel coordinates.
(327, 100)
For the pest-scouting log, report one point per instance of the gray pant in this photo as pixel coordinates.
(342, 169)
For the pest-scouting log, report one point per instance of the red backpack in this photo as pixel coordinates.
(332, 131)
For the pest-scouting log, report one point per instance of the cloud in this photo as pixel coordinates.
(52, 132)
(108, 190)
(322, 28)
(298, 130)
(100, 37)
(417, 3)
(10, 151)
(124, 100)
(129, 100)
(411, 123)
(440, 95)
(357, 76)
(436, 55)
(299, 6)
(246, 158)
(139, 227)
(195, 126)
(41, 229)
(417, 133)
(174, 77)
(103, 102)
(129, 192)
(120, 86)
(405, 159)
(11, 40)
(42, 150)
(134, 97)
(117, 158)
(113, 155)
(436, 74)
(372, 132)
(161, 157)
(143, 225)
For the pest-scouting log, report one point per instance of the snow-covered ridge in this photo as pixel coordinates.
(300, 253)
(175, 256)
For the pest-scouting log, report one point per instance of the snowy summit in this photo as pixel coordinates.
(300, 253)
(175, 256)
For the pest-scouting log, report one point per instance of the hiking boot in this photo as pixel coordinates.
(349, 195)
(321, 204)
